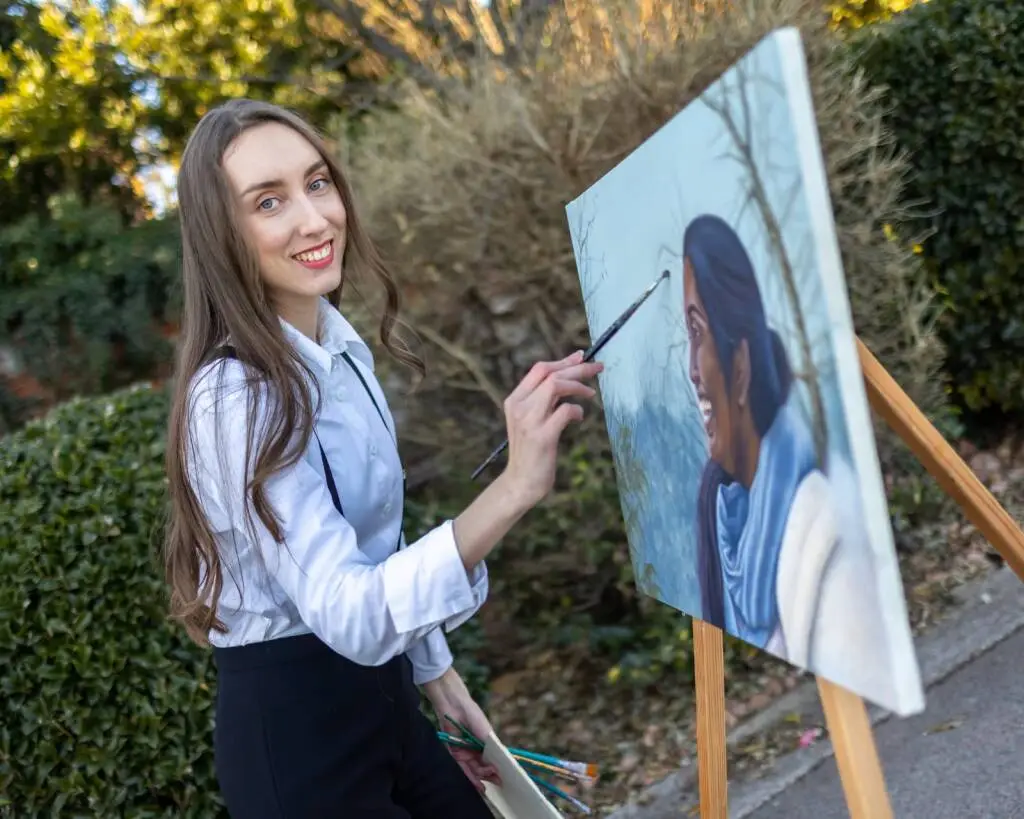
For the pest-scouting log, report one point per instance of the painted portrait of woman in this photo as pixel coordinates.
(743, 443)
(773, 567)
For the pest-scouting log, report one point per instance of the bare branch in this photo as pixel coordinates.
(469, 361)
(742, 139)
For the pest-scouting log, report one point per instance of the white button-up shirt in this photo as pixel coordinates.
(341, 578)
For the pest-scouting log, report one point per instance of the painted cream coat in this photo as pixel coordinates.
(830, 619)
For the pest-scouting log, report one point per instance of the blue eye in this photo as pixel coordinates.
(265, 202)
(321, 180)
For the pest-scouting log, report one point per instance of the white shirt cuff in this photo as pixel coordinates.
(426, 582)
(430, 657)
(479, 587)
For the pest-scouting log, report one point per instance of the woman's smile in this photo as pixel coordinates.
(705, 410)
(318, 257)
(707, 413)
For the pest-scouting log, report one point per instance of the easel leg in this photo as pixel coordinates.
(940, 459)
(856, 754)
(709, 675)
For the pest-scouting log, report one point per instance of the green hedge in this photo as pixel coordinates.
(105, 708)
(955, 74)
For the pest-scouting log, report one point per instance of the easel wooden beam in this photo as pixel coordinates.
(709, 679)
(846, 715)
(940, 459)
(860, 770)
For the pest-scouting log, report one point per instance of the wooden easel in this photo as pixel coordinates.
(845, 713)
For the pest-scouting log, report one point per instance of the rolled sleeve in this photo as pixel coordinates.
(479, 586)
(430, 657)
(427, 582)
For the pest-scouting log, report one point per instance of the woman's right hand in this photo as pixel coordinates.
(536, 415)
(535, 420)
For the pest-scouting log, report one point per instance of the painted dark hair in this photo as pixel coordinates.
(725, 280)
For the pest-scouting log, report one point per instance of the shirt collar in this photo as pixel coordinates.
(337, 336)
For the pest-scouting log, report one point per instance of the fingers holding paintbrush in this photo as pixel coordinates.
(575, 369)
(537, 413)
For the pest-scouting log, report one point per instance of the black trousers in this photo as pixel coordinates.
(303, 733)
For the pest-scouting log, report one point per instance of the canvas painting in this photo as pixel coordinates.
(744, 453)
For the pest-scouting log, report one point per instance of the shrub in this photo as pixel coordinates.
(955, 76)
(105, 708)
(83, 298)
(466, 193)
(856, 13)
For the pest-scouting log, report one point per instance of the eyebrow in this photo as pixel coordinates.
(320, 164)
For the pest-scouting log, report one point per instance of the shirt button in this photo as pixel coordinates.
(373, 449)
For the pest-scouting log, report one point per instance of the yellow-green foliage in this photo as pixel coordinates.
(855, 14)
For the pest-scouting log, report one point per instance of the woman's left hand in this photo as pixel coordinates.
(448, 695)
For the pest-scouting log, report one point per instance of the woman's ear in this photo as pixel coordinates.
(741, 373)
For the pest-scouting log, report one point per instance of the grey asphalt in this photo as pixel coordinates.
(963, 758)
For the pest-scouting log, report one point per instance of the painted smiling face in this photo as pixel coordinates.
(705, 373)
(292, 211)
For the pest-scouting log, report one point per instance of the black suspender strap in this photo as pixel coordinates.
(335, 498)
(227, 351)
(369, 392)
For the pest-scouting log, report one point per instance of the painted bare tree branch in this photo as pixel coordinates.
(588, 280)
(735, 94)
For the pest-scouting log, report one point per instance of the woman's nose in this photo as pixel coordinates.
(311, 220)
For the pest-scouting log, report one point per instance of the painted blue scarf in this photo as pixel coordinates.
(751, 524)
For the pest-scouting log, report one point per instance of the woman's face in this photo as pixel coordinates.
(706, 374)
(291, 210)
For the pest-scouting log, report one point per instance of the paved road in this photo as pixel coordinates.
(972, 767)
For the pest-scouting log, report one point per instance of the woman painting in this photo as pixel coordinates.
(285, 549)
(773, 568)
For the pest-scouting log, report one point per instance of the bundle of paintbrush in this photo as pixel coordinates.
(535, 765)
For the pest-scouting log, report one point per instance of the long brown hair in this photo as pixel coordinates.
(224, 297)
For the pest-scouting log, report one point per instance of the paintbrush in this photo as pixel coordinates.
(595, 348)
(572, 800)
(583, 772)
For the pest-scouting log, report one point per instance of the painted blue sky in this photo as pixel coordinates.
(632, 222)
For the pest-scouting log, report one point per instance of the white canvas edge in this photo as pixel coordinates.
(902, 651)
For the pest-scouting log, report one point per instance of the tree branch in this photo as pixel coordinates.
(469, 361)
(742, 140)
